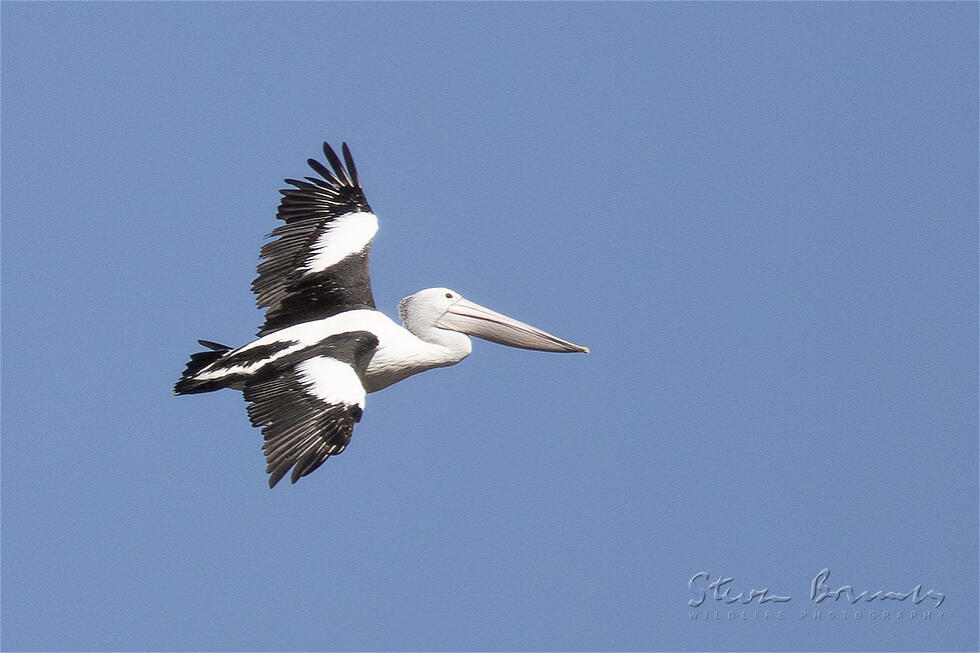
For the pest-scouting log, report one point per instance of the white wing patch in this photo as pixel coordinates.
(332, 381)
(348, 234)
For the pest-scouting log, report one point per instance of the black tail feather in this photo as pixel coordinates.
(188, 384)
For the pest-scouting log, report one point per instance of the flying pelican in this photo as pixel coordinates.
(324, 345)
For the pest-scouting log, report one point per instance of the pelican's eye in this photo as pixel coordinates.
(449, 295)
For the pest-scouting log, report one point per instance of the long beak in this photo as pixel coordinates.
(475, 320)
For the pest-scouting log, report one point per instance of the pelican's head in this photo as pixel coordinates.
(446, 309)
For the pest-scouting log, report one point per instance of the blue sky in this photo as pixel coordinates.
(761, 217)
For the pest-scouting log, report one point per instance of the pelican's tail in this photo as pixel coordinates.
(188, 383)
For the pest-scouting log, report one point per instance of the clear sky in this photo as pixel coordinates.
(761, 217)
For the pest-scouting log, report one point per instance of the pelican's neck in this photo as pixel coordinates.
(408, 350)
(444, 347)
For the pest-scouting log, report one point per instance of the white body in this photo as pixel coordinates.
(436, 323)
(400, 353)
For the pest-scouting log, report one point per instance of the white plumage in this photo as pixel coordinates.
(349, 235)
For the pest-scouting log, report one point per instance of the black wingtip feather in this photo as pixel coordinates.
(298, 468)
(323, 171)
(308, 464)
(214, 345)
(336, 164)
(349, 160)
(275, 477)
(315, 465)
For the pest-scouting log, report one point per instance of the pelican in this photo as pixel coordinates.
(324, 345)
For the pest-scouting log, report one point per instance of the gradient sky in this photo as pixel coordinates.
(761, 217)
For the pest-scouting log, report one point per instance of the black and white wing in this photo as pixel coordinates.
(308, 403)
(318, 264)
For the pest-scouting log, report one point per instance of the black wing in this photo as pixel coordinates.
(307, 407)
(318, 264)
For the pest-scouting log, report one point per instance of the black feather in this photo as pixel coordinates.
(214, 345)
(323, 171)
(188, 384)
(351, 168)
(336, 164)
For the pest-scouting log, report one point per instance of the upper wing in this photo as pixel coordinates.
(307, 409)
(318, 265)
